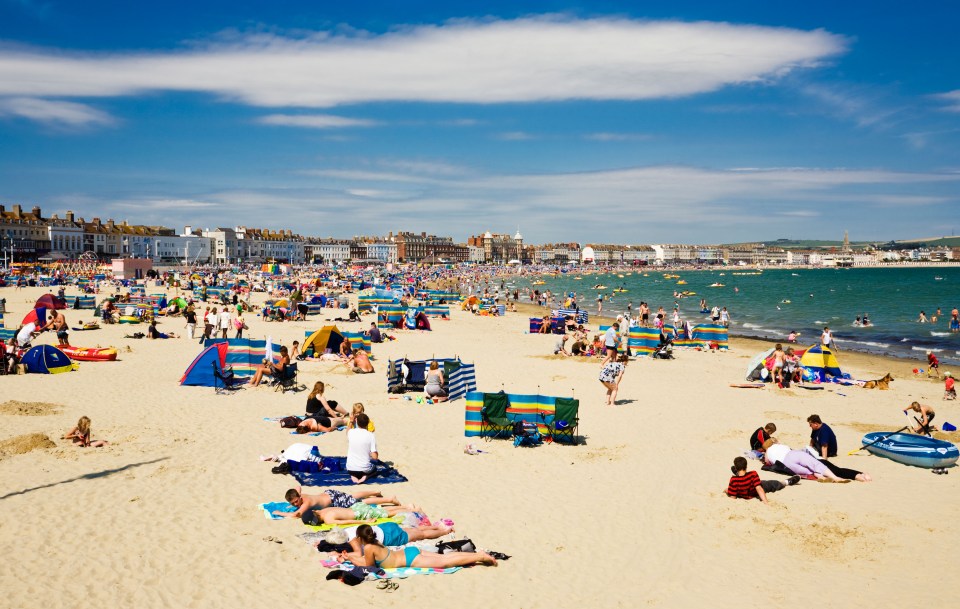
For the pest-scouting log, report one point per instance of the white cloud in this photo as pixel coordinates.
(53, 113)
(315, 121)
(515, 136)
(616, 137)
(952, 99)
(547, 58)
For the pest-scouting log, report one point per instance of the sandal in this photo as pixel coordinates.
(387, 585)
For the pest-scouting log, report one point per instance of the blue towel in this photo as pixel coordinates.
(276, 506)
(333, 472)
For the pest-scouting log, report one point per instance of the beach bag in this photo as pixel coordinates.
(290, 422)
(459, 545)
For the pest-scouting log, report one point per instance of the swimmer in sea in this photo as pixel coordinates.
(856, 322)
(922, 319)
(866, 321)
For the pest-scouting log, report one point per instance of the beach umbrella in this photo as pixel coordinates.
(51, 302)
(37, 316)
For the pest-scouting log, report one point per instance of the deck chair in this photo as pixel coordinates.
(566, 420)
(287, 379)
(224, 380)
(493, 416)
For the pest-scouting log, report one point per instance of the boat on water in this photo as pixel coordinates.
(681, 282)
(599, 287)
(717, 285)
(83, 354)
(938, 278)
(912, 449)
(620, 289)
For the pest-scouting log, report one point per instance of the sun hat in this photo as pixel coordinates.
(948, 373)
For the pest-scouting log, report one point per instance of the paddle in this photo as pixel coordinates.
(878, 440)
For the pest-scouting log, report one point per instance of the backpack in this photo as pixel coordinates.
(459, 545)
(290, 422)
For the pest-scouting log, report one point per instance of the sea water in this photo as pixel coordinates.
(771, 303)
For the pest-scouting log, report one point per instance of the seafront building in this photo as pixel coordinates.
(28, 236)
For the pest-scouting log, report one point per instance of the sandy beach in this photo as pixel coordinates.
(166, 516)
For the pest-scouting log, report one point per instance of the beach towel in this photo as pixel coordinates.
(401, 573)
(333, 472)
(327, 527)
(276, 506)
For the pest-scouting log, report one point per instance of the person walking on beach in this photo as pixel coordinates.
(724, 317)
(611, 375)
(610, 340)
(190, 315)
(224, 319)
(827, 340)
(61, 328)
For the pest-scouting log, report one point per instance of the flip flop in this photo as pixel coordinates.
(387, 585)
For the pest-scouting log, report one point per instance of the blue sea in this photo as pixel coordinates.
(771, 303)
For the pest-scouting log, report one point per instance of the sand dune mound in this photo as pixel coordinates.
(29, 409)
(19, 445)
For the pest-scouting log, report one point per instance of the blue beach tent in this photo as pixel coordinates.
(200, 371)
(46, 359)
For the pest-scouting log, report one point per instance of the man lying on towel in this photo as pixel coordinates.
(358, 513)
(331, 498)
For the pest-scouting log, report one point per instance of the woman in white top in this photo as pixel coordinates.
(225, 321)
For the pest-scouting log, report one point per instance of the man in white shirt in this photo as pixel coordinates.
(610, 342)
(26, 334)
(361, 450)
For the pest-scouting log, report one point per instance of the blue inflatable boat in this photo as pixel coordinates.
(911, 449)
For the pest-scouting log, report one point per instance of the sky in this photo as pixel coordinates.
(593, 122)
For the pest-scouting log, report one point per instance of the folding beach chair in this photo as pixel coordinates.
(566, 420)
(493, 416)
(224, 380)
(287, 379)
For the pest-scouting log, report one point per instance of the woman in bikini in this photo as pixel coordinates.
(373, 553)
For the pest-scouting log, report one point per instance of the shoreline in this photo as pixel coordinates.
(756, 344)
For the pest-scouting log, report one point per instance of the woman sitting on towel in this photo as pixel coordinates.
(373, 553)
(802, 463)
(318, 405)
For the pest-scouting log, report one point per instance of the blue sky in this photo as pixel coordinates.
(616, 122)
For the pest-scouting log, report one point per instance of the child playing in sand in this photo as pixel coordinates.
(358, 410)
(926, 416)
(747, 485)
(949, 392)
(933, 364)
(81, 435)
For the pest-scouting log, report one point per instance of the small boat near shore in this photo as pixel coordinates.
(912, 449)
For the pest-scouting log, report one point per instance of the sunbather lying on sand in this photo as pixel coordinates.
(358, 513)
(802, 463)
(331, 498)
(373, 553)
(389, 534)
(320, 423)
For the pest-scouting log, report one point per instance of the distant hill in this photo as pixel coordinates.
(793, 244)
(932, 242)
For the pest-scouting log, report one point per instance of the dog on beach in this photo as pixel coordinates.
(881, 383)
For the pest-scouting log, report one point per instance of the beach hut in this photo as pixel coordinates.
(821, 362)
(46, 359)
(325, 340)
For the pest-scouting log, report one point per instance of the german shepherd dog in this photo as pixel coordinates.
(881, 383)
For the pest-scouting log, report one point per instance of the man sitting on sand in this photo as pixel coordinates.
(747, 485)
(331, 498)
(359, 362)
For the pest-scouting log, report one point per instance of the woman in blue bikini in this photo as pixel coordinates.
(373, 553)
